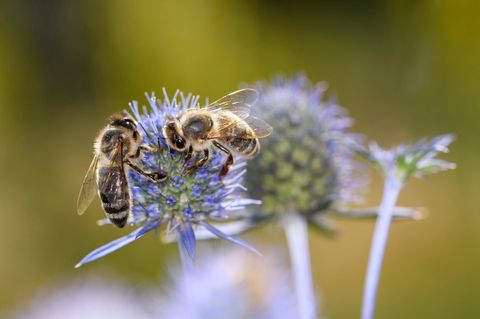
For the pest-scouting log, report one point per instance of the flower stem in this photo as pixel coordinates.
(296, 231)
(392, 188)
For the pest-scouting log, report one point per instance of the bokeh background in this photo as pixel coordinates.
(404, 69)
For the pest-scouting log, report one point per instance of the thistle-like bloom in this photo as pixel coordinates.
(92, 298)
(183, 202)
(306, 166)
(419, 159)
(397, 165)
(230, 284)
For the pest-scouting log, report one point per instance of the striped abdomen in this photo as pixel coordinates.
(248, 147)
(114, 194)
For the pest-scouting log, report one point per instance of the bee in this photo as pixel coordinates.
(225, 124)
(116, 148)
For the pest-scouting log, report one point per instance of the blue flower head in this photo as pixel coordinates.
(307, 165)
(184, 202)
(230, 284)
(90, 297)
(418, 159)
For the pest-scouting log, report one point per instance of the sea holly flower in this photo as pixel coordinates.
(92, 297)
(185, 202)
(397, 165)
(306, 168)
(417, 159)
(230, 284)
(307, 165)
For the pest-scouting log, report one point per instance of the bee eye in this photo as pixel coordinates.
(130, 124)
(126, 123)
(179, 142)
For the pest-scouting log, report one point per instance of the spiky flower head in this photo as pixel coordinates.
(184, 202)
(93, 298)
(306, 166)
(231, 284)
(417, 159)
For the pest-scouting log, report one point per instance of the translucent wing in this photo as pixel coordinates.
(113, 182)
(228, 129)
(88, 189)
(239, 102)
(260, 127)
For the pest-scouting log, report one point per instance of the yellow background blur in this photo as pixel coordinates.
(404, 69)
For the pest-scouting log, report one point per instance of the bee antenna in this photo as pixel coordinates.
(143, 128)
(146, 133)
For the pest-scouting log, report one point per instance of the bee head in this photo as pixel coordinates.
(124, 120)
(173, 136)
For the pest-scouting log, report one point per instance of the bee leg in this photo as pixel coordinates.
(189, 154)
(148, 149)
(198, 164)
(143, 149)
(228, 162)
(156, 177)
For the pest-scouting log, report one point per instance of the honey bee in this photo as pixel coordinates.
(116, 148)
(225, 124)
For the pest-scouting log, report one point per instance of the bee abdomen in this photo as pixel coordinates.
(113, 190)
(245, 147)
(253, 148)
(117, 210)
(118, 215)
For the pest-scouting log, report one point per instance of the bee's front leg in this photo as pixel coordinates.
(189, 154)
(148, 149)
(156, 177)
(143, 149)
(198, 164)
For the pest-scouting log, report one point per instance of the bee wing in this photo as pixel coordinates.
(224, 128)
(116, 160)
(239, 103)
(259, 127)
(88, 189)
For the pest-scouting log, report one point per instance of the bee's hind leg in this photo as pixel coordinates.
(198, 164)
(228, 162)
(156, 177)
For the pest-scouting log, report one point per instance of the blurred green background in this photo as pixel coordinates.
(404, 69)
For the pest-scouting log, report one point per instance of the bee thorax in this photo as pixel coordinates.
(197, 127)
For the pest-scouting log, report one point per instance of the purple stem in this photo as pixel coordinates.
(296, 231)
(392, 188)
